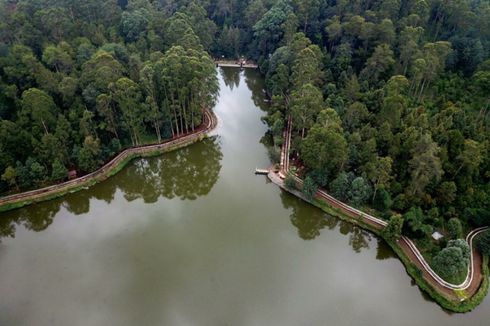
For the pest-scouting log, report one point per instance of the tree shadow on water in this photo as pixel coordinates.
(257, 86)
(310, 220)
(186, 174)
(36, 217)
(231, 77)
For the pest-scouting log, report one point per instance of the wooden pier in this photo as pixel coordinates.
(236, 64)
(261, 171)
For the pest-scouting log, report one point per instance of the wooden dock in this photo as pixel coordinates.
(242, 65)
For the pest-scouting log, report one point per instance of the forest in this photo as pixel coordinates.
(389, 98)
(79, 81)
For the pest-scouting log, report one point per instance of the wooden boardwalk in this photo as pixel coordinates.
(38, 195)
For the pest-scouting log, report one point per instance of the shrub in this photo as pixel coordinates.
(359, 192)
(382, 201)
(452, 261)
(290, 182)
(415, 225)
(309, 188)
(483, 243)
(393, 230)
(455, 228)
(340, 186)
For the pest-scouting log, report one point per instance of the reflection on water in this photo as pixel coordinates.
(186, 174)
(309, 221)
(383, 251)
(231, 77)
(36, 217)
(193, 237)
(257, 86)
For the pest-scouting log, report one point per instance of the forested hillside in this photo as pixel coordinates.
(389, 98)
(80, 80)
(389, 105)
(389, 102)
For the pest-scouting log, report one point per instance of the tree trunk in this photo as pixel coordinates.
(45, 128)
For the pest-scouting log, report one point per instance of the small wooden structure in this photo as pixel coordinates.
(72, 174)
(261, 171)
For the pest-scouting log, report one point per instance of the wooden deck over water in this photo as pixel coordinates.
(236, 64)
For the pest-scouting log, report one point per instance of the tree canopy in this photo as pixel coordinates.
(82, 80)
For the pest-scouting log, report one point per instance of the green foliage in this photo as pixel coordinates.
(393, 230)
(340, 186)
(37, 172)
(290, 181)
(90, 69)
(59, 171)
(133, 24)
(306, 104)
(404, 82)
(382, 201)
(88, 157)
(309, 188)
(359, 192)
(324, 150)
(483, 243)
(10, 176)
(268, 30)
(451, 263)
(415, 225)
(454, 228)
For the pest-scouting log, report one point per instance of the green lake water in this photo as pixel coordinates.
(195, 238)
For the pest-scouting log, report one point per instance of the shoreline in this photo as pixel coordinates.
(463, 297)
(456, 300)
(109, 169)
(450, 300)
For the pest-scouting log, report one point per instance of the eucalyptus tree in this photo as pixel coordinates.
(147, 79)
(39, 112)
(188, 80)
(324, 150)
(98, 73)
(268, 30)
(306, 103)
(127, 95)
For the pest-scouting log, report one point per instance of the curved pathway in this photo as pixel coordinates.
(474, 267)
(24, 198)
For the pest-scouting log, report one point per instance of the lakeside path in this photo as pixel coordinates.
(456, 297)
(210, 122)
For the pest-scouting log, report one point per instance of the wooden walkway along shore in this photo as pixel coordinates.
(473, 283)
(50, 192)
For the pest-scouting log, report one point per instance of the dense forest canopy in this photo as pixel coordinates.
(389, 98)
(80, 80)
(389, 101)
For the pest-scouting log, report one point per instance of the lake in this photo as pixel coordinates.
(193, 237)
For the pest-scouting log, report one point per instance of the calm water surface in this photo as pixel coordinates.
(194, 238)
